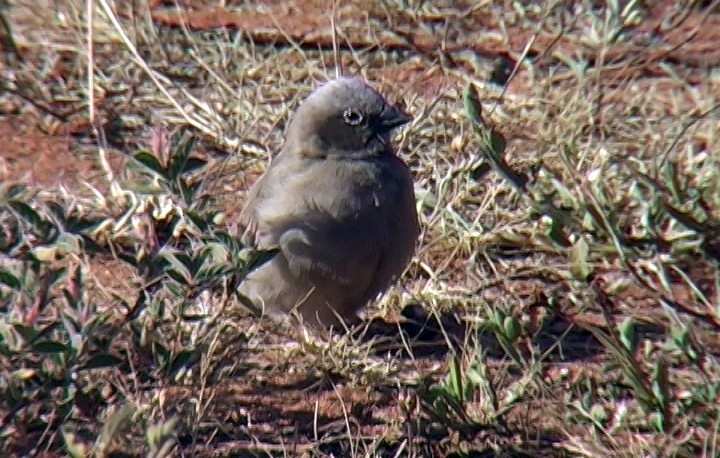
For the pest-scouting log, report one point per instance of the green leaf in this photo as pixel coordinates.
(101, 360)
(179, 267)
(68, 243)
(179, 154)
(157, 433)
(12, 191)
(27, 333)
(185, 358)
(24, 374)
(49, 347)
(150, 162)
(260, 257)
(627, 334)
(497, 144)
(73, 447)
(114, 425)
(45, 253)
(557, 232)
(455, 379)
(9, 279)
(30, 215)
(202, 222)
(193, 164)
(578, 259)
(598, 413)
(186, 191)
(511, 327)
(661, 383)
(56, 209)
(657, 421)
(481, 168)
(473, 107)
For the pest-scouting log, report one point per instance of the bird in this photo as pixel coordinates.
(337, 206)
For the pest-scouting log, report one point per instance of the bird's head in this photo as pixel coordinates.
(344, 118)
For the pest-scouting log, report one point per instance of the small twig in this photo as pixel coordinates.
(336, 49)
(97, 129)
(90, 63)
(524, 54)
(151, 73)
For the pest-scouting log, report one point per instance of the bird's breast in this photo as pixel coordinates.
(356, 188)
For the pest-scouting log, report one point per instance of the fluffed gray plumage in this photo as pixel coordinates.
(337, 203)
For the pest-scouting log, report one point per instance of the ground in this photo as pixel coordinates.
(574, 315)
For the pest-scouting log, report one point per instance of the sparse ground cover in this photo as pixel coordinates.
(564, 299)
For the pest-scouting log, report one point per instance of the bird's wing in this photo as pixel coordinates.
(322, 235)
(330, 255)
(253, 232)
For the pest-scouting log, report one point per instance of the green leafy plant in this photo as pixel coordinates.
(55, 337)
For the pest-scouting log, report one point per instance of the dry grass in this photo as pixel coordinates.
(563, 300)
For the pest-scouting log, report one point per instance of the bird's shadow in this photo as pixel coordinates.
(420, 334)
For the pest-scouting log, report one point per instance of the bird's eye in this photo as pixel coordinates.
(353, 117)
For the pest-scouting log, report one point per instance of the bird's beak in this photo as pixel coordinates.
(390, 118)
